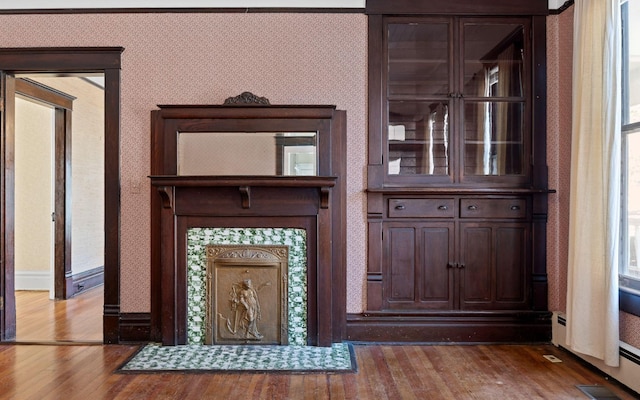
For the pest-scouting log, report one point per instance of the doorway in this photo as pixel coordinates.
(59, 206)
(104, 61)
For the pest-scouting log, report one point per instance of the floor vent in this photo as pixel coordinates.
(597, 392)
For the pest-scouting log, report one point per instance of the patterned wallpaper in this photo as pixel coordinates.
(203, 59)
(559, 69)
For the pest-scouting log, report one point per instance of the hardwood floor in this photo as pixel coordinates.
(78, 371)
(385, 372)
(39, 319)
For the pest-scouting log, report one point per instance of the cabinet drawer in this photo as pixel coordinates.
(493, 208)
(421, 208)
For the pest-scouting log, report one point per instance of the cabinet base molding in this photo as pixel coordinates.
(455, 327)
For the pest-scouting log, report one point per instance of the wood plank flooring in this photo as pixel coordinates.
(39, 319)
(78, 371)
(385, 372)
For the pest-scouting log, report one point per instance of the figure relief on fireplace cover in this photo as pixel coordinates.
(247, 294)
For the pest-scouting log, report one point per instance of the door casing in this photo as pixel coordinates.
(106, 60)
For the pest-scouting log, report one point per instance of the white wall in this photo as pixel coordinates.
(87, 171)
(33, 232)
(33, 195)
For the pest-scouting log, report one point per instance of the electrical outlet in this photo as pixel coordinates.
(552, 358)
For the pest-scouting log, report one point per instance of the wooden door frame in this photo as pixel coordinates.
(63, 108)
(106, 60)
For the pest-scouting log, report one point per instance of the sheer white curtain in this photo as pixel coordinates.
(592, 293)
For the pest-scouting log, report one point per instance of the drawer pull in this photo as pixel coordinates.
(452, 265)
(400, 207)
(515, 208)
(472, 207)
(443, 208)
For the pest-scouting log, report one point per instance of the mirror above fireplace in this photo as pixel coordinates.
(247, 153)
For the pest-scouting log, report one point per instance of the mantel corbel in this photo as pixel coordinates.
(245, 194)
(166, 194)
(325, 196)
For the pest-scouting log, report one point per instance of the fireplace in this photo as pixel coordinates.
(189, 212)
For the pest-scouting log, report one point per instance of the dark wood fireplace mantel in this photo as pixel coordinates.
(313, 203)
(165, 185)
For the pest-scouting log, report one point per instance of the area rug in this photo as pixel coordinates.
(339, 358)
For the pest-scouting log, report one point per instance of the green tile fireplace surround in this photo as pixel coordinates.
(199, 238)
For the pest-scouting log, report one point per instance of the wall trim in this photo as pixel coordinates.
(629, 370)
(630, 301)
(135, 328)
(204, 10)
(562, 8)
(457, 327)
(83, 281)
(33, 280)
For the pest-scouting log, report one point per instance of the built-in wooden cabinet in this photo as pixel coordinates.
(456, 253)
(457, 177)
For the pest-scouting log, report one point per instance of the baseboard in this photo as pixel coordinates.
(33, 280)
(629, 370)
(460, 327)
(135, 328)
(78, 283)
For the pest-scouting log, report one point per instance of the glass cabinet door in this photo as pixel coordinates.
(494, 99)
(418, 86)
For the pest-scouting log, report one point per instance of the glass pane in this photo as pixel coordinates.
(632, 61)
(493, 60)
(633, 205)
(418, 136)
(418, 59)
(493, 138)
(247, 153)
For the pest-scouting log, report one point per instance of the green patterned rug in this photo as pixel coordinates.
(338, 358)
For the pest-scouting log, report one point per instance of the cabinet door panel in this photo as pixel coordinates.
(511, 255)
(495, 273)
(401, 258)
(436, 275)
(476, 266)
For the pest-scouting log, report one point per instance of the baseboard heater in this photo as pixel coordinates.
(629, 368)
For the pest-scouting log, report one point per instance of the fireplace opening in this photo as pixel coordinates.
(221, 260)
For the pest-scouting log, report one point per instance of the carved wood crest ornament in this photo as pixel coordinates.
(247, 98)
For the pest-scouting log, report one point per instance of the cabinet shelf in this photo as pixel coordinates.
(411, 145)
